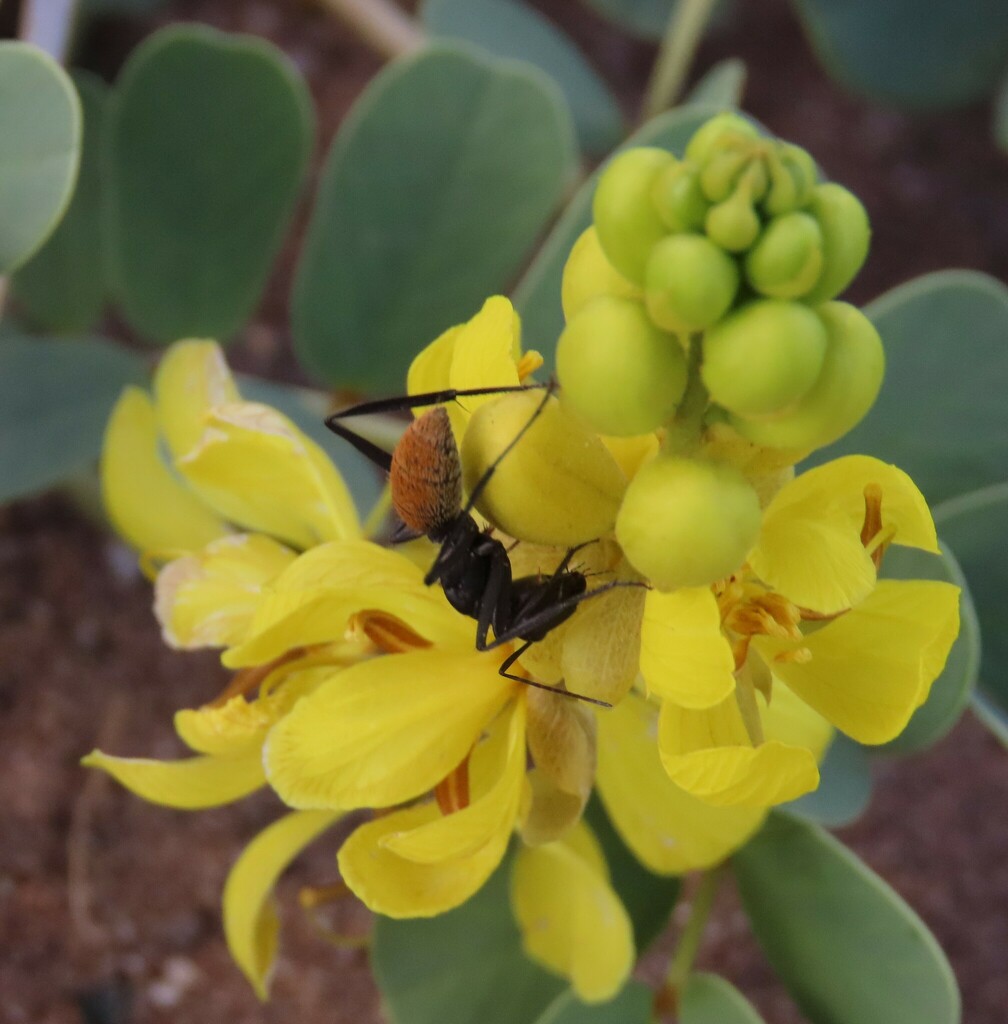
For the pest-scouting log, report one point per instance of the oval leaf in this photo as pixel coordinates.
(974, 528)
(846, 946)
(62, 287)
(941, 414)
(506, 28)
(709, 999)
(944, 54)
(721, 86)
(40, 125)
(55, 397)
(438, 182)
(632, 1006)
(208, 142)
(645, 18)
(844, 789)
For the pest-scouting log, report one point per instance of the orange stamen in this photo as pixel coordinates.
(528, 364)
(246, 680)
(452, 792)
(312, 896)
(389, 634)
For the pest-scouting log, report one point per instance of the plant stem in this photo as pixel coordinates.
(682, 436)
(689, 942)
(685, 28)
(383, 26)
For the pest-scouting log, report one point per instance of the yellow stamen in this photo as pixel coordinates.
(528, 364)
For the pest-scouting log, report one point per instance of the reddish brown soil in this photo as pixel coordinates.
(109, 907)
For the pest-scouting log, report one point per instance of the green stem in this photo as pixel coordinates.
(380, 24)
(685, 29)
(682, 436)
(689, 942)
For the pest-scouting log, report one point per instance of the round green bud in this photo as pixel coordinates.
(846, 234)
(715, 131)
(687, 522)
(587, 274)
(720, 175)
(783, 194)
(733, 224)
(845, 390)
(617, 370)
(788, 258)
(627, 222)
(678, 198)
(764, 357)
(690, 283)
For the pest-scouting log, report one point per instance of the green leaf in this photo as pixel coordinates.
(508, 28)
(632, 1006)
(846, 946)
(40, 125)
(439, 180)
(941, 414)
(645, 18)
(55, 397)
(844, 790)
(944, 54)
(973, 526)
(308, 409)
(709, 999)
(466, 966)
(951, 691)
(537, 295)
(62, 288)
(208, 141)
(722, 85)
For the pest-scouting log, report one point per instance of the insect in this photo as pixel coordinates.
(473, 567)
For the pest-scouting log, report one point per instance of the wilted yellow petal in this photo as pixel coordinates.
(191, 379)
(386, 730)
(256, 468)
(189, 784)
(810, 546)
(250, 920)
(571, 920)
(668, 830)
(148, 505)
(684, 657)
(869, 669)
(547, 812)
(709, 754)
(207, 599)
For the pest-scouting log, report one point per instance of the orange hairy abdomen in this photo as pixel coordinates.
(426, 474)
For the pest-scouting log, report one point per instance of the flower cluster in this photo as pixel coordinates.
(757, 626)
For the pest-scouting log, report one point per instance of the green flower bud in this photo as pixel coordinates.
(783, 194)
(687, 522)
(788, 258)
(846, 233)
(721, 173)
(847, 386)
(690, 283)
(618, 371)
(716, 130)
(678, 198)
(587, 274)
(764, 357)
(733, 224)
(803, 169)
(626, 219)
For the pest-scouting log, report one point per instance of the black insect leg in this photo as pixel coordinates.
(517, 653)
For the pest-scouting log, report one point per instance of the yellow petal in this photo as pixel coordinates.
(396, 887)
(486, 350)
(207, 599)
(191, 379)
(147, 504)
(250, 920)
(190, 784)
(869, 669)
(312, 600)
(497, 769)
(684, 657)
(668, 830)
(790, 720)
(709, 754)
(431, 369)
(571, 920)
(810, 547)
(386, 730)
(256, 468)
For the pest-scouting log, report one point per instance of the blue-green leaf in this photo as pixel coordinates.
(846, 946)
(974, 526)
(537, 295)
(62, 287)
(944, 53)
(508, 28)
(208, 141)
(40, 129)
(721, 86)
(435, 188)
(55, 397)
(709, 999)
(632, 1006)
(845, 787)
(941, 414)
